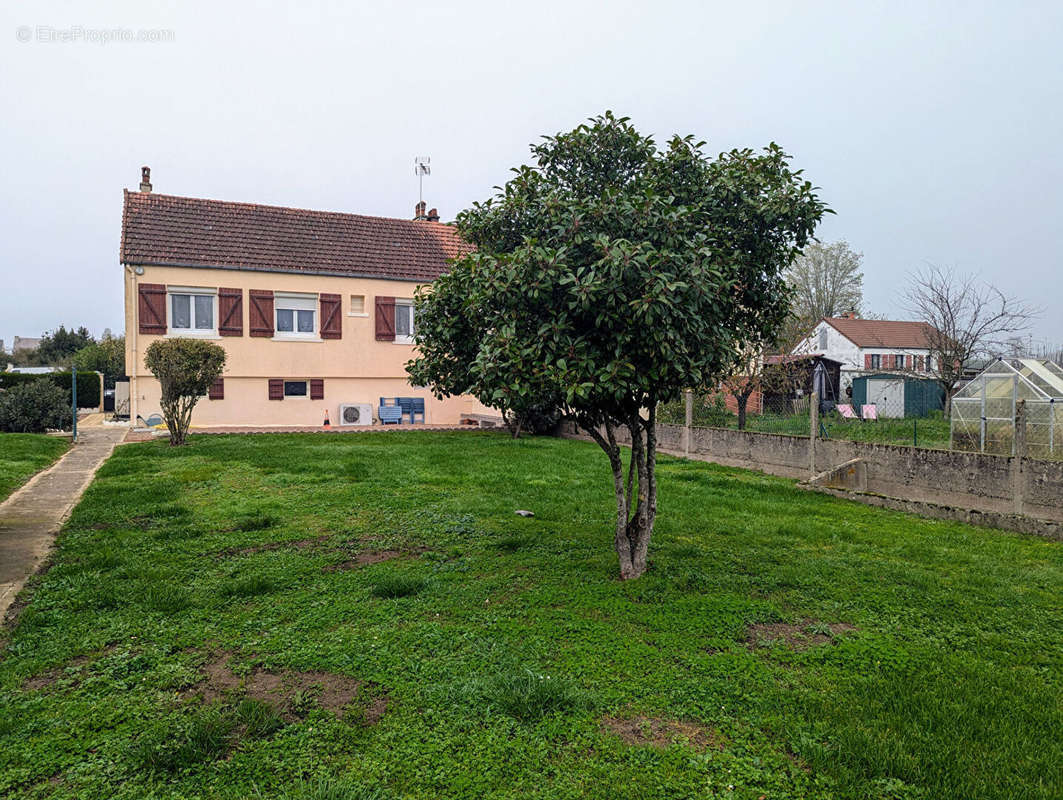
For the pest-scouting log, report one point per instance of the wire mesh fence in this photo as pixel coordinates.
(898, 410)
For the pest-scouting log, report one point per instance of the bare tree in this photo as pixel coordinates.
(965, 319)
(826, 281)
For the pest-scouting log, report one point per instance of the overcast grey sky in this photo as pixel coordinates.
(934, 129)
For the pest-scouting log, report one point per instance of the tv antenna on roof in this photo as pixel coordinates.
(420, 169)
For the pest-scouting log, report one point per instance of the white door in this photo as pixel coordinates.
(887, 395)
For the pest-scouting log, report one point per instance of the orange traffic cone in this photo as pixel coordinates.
(326, 422)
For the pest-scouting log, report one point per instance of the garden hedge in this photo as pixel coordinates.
(88, 384)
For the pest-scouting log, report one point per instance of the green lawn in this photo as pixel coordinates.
(23, 454)
(783, 644)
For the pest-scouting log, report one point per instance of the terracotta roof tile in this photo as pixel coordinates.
(883, 332)
(164, 230)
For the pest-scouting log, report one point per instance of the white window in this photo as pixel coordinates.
(192, 311)
(404, 322)
(296, 315)
(823, 339)
(357, 306)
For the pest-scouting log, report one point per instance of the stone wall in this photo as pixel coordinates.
(996, 487)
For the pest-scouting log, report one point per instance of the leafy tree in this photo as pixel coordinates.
(34, 407)
(609, 276)
(185, 369)
(827, 281)
(58, 347)
(106, 356)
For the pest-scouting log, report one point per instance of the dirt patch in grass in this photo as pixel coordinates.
(796, 636)
(48, 678)
(367, 557)
(660, 732)
(291, 692)
(297, 544)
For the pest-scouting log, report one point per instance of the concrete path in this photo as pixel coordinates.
(31, 517)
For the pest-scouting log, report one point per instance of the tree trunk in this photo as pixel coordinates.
(742, 401)
(636, 498)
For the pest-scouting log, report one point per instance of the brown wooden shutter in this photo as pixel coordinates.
(260, 312)
(385, 319)
(276, 388)
(867, 361)
(317, 388)
(151, 308)
(331, 319)
(231, 312)
(217, 390)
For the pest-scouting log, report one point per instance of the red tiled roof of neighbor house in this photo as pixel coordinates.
(164, 230)
(883, 332)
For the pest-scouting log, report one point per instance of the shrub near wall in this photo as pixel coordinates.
(88, 384)
(34, 407)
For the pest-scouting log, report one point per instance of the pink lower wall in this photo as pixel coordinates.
(246, 402)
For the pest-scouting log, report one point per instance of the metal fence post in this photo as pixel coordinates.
(813, 418)
(74, 402)
(1018, 460)
(688, 420)
(1051, 426)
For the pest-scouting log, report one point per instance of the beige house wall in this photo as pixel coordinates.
(355, 368)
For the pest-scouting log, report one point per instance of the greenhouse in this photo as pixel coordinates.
(983, 411)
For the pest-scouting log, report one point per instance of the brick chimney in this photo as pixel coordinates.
(145, 180)
(433, 215)
(418, 212)
(850, 315)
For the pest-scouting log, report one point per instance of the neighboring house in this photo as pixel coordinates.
(24, 343)
(866, 345)
(314, 309)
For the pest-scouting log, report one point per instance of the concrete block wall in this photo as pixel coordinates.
(946, 479)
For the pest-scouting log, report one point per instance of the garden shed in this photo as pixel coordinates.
(983, 411)
(896, 395)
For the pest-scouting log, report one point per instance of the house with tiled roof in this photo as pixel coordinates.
(871, 345)
(313, 308)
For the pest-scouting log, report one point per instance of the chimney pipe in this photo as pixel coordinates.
(433, 215)
(418, 212)
(145, 180)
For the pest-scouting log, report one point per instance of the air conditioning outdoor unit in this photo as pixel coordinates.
(356, 414)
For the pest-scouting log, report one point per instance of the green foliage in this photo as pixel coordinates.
(528, 695)
(612, 274)
(23, 454)
(185, 369)
(392, 586)
(258, 718)
(948, 688)
(58, 347)
(608, 277)
(88, 384)
(170, 747)
(331, 789)
(106, 356)
(248, 586)
(34, 407)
